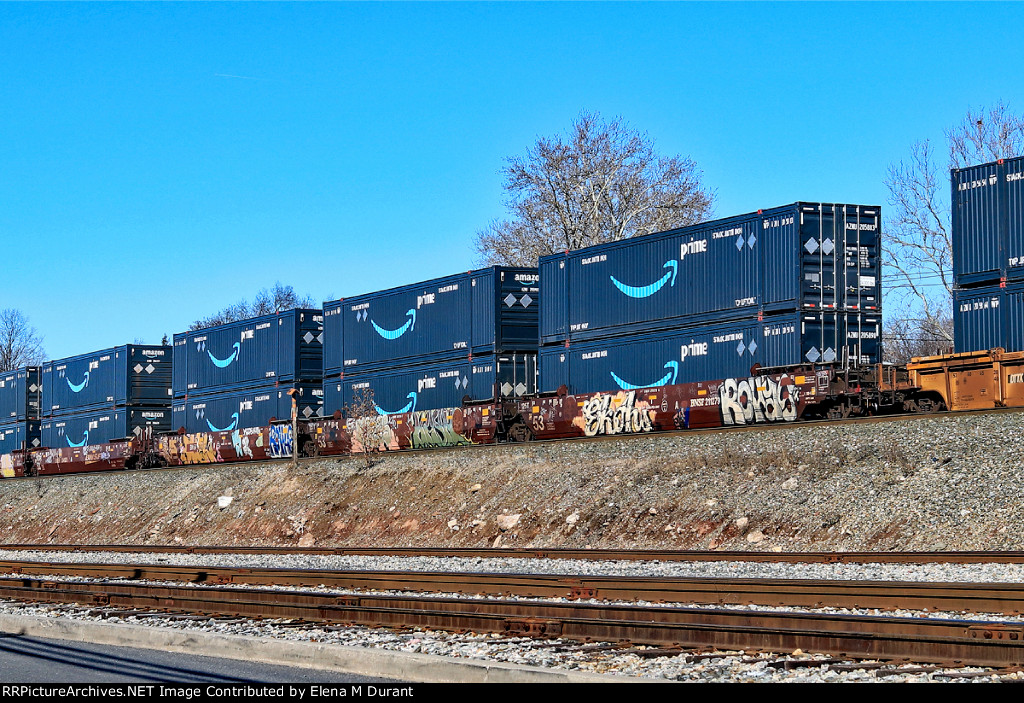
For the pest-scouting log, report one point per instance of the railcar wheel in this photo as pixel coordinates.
(930, 405)
(519, 432)
(840, 411)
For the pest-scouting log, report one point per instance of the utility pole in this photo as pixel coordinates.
(294, 393)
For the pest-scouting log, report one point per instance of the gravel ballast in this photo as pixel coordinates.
(949, 483)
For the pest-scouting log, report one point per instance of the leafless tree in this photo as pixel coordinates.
(601, 183)
(277, 299)
(368, 429)
(917, 239)
(906, 336)
(20, 344)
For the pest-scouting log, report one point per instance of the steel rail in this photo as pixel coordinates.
(1005, 598)
(913, 557)
(956, 642)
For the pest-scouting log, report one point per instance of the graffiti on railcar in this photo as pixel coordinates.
(281, 444)
(758, 399)
(241, 443)
(435, 428)
(616, 414)
(196, 448)
(371, 431)
(7, 466)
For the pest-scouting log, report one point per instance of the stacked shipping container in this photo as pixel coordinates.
(104, 395)
(239, 374)
(794, 284)
(988, 255)
(430, 344)
(19, 409)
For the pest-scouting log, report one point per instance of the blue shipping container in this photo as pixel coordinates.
(19, 435)
(97, 427)
(480, 312)
(988, 222)
(436, 385)
(805, 256)
(710, 352)
(20, 394)
(253, 353)
(232, 410)
(132, 374)
(989, 317)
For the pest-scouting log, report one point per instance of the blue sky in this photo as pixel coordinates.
(159, 161)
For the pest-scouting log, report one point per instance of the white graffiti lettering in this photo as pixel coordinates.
(601, 415)
(758, 399)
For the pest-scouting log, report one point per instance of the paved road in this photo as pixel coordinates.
(37, 660)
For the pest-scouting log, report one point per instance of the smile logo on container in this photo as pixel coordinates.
(224, 363)
(234, 422)
(409, 407)
(665, 380)
(395, 334)
(649, 290)
(85, 438)
(77, 388)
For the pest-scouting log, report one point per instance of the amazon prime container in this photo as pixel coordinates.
(237, 409)
(254, 353)
(133, 374)
(805, 256)
(710, 352)
(100, 426)
(436, 385)
(988, 222)
(989, 317)
(19, 435)
(19, 395)
(492, 310)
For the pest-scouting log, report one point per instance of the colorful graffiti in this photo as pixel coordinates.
(281, 442)
(196, 448)
(373, 432)
(616, 414)
(758, 399)
(435, 428)
(240, 442)
(7, 466)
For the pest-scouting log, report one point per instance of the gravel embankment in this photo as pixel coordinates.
(952, 483)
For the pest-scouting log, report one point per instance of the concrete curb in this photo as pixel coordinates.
(406, 666)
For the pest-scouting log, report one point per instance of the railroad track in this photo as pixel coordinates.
(1006, 598)
(966, 557)
(950, 642)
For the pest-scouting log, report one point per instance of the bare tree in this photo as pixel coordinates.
(20, 344)
(267, 302)
(917, 240)
(368, 429)
(906, 336)
(601, 183)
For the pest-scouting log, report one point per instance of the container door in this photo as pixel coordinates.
(821, 255)
(861, 268)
